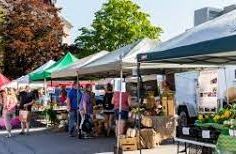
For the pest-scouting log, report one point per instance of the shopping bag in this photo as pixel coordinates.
(24, 116)
(87, 125)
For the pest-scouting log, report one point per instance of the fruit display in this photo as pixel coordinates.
(219, 117)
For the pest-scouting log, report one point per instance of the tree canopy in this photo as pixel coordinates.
(117, 23)
(33, 33)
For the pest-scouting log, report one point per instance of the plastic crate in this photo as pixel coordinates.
(208, 135)
(187, 132)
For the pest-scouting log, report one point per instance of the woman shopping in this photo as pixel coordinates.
(108, 107)
(9, 103)
(123, 114)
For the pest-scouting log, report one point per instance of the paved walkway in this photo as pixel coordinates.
(44, 142)
(53, 143)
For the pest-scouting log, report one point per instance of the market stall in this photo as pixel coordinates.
(122, 63)
(212, 43)
(53, 110)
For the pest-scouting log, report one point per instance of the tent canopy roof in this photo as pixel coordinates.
(212, 42)
(64, 62)
(25, 79)
(122, 58)
(71, 71)
(3, 80)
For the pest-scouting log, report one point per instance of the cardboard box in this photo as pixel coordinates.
(129, 144)
(168, 106)
(149, 138)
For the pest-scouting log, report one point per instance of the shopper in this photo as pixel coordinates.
(63, 95)
(73, 99)
(108, 108)
(86, 111)
(27, 98)
(123, 115)
(9, 104)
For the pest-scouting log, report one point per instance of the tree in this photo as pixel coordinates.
(118, 23)
(2, 16)
(33, 34)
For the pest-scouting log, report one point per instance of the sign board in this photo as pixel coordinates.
(119, 85)
(51, 90)
(208, 89)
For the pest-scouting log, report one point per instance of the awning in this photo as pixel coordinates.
(3, 80)
(124, 58)
(64, 62)
(210, 43)
(25, 79)
(72, 70)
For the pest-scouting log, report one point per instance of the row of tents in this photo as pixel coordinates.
(212, 36)
(102, 64)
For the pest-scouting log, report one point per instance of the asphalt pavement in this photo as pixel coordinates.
(46, 142)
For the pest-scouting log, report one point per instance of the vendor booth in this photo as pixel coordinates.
(211, 43)
(122, 63)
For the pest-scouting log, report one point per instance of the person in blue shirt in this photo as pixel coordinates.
(73, 99)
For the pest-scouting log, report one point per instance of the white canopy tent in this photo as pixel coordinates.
(125, 59)
(72, 70)
(24, 80)
(122, 58)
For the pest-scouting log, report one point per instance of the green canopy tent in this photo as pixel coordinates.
(44, 75)
(64, 62)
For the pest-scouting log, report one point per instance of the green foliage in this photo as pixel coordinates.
(50, 114)
(118, 23)
(32, 34)
(2, 19)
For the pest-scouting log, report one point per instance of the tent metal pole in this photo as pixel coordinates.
(45, 86)
(226, 86)
(139, 105)
(78, 99)
(120, 106)
(45, 93)
(120, 110)
(51, 93)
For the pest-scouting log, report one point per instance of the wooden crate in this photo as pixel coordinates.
(129, 144)
(168, 106)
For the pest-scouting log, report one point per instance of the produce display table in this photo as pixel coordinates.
(226, 144)
(198, 146)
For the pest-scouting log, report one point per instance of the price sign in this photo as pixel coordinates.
(205, 134)
(185, 130)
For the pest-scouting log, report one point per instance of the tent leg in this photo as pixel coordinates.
(120, 110)
(45, 93)
(51, 94)
(78, 101)
(139, 104)
(226, 86)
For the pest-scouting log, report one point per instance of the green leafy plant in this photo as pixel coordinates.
(50, 114)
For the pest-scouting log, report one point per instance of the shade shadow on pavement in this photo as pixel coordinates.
(46, 142)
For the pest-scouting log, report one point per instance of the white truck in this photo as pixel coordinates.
(202, 91)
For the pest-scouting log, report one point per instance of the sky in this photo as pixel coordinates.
(173, 16)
